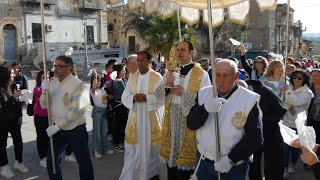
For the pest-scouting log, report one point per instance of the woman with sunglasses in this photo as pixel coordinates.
(259, 65)
(297, 99)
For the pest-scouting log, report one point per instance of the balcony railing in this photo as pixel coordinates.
(37, 2)
(9, 2)
(90, 5)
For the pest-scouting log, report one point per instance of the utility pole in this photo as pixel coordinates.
(85, 67)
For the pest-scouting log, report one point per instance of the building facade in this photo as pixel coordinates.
(118, 36)
(261, 30)
(295, 32)
(67, 23)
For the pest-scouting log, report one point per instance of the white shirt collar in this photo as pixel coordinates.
(183, 66)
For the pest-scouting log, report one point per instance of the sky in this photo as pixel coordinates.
(307, 11)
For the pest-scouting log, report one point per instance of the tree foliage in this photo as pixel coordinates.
(162, 34)
(223, 32)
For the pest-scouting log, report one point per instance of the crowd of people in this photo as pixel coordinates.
(168, 132)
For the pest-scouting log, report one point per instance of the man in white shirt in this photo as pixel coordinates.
(69, 99)
(144, 96)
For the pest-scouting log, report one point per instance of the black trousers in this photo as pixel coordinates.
(273, 159)
(68, 150)
(317, 131)
(41, 124)
(77, 139)
(119, 123)
(10, 126)
(178, 174)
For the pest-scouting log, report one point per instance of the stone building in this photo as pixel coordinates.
(65, 23)
(267, 29)
(11, 30)
(117, 35)
(261, 31)
(295, 32)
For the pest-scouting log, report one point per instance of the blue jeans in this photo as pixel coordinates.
(77, 138)
(100, 128)
(206, 171)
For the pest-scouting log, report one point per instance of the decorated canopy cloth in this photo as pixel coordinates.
(190, 9)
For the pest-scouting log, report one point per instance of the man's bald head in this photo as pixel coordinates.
(226, 75)
(132, 63)
(133, 57)
(226, 63)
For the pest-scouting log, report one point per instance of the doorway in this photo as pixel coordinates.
(132, 44)
(10, 42)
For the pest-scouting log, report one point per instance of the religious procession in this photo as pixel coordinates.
(167, 112)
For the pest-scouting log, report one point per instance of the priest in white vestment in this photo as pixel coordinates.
(144, 96)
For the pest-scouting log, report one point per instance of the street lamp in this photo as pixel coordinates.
(85, 68)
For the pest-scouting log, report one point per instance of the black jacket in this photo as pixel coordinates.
(272, 107)
(250, 142)
(310, 120)
(316, 170)
(9, 107)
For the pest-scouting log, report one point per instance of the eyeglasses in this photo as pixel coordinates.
(59, 66)
(258, 62)
(298, 78)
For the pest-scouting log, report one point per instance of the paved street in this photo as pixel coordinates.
(107, 168)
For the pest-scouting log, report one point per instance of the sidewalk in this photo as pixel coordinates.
(108, 167)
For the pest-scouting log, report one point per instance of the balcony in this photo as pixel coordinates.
(295, 24)
(37, 2)
(281, 22)
(92, 5)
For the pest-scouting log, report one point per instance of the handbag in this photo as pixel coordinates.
(30, 110)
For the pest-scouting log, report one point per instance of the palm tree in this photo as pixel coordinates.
(160, 34)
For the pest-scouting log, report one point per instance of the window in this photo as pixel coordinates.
(36, 33)
(132, 44)
(110, 27)
(90, 34)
